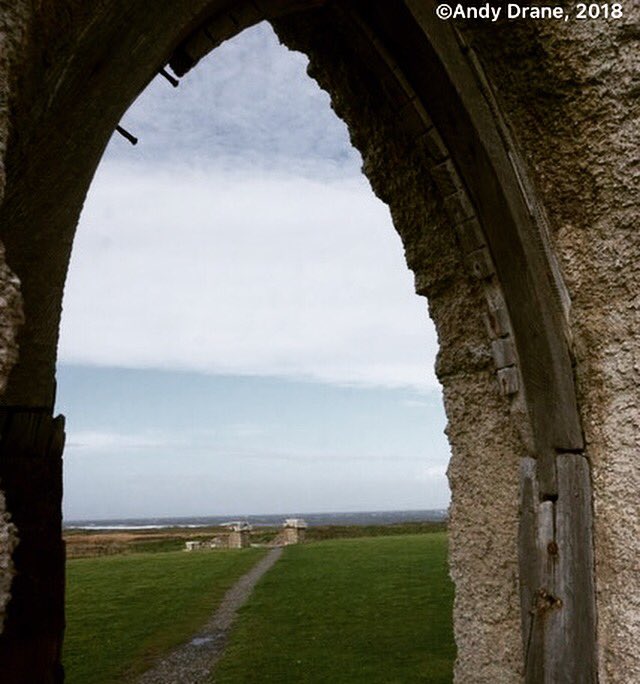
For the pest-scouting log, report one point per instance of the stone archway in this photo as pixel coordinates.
(438, 141)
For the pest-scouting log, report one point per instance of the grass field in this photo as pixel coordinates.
(348, 611)
(124, 610)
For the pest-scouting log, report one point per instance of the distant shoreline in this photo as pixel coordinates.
(257, 520)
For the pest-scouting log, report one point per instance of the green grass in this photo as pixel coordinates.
(124, 610)
(357, 611)
(321, 532)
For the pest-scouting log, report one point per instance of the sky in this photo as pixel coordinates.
(240, 332)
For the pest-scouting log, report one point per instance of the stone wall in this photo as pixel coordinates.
(570, 91)
(13, 21)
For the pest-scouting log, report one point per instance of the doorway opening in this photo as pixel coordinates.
(239, 312)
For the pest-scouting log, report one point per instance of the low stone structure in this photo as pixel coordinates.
(239, 535)
(295, 530)
(192, 545)
(219, 542)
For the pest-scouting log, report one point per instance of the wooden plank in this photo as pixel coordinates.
(540, 607)
(528, 553)
(547, 478)
(26, 433)
(31, 474)
(556, 575)
(546, 540)
(571, 642)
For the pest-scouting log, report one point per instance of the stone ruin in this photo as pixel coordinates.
(239, 535)
(294, 531)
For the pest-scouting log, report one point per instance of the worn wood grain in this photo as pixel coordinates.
(528, 554)
(556, 575)
(574, 632)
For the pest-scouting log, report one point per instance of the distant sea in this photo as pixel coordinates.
(359, 518)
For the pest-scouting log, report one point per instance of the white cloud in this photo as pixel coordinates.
(248, 104)
(262, 274)
(240, 237)
(432, 473)
(95, 440)
(215, 446)
(424, 403)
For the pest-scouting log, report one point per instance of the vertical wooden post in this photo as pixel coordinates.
(31, 445)
(557, 588)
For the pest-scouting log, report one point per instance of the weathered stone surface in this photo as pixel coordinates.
(483, 474)
(573, 102)
(13, 23)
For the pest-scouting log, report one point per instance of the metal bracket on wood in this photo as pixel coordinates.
(125, 134)
(172, 79)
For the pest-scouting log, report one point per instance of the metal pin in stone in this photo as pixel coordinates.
(174, 81)
(125, 134)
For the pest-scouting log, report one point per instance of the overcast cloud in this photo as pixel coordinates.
(240, 331)
(243, 239)
(243, 274)
(249, 105)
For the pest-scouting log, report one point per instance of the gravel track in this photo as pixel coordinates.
(193, 662)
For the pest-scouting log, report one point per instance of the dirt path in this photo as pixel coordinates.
(193, 662)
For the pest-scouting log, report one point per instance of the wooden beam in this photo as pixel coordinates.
(31, 444)
(557, 589)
